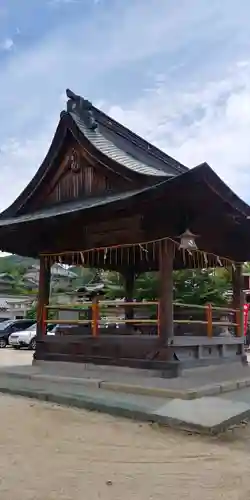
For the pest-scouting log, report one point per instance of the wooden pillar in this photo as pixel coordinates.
(129, 284)
(238, 295)
(95, 316)
(166, 315)
(43, 296)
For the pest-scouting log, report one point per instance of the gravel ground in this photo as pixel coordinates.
(53, 453)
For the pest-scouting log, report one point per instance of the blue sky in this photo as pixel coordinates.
(178, 73)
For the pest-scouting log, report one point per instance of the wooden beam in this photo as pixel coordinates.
(166, 257)
(129, 284)
(43, 296)
(238, 295)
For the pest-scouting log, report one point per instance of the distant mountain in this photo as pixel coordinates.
(12, 261)
(16, 265)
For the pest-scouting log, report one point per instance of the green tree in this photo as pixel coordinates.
(31, 313)
(190, 286)
(202, 286)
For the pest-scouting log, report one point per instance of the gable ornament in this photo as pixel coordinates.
(74, 161)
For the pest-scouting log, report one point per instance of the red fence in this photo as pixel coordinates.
(96, 319)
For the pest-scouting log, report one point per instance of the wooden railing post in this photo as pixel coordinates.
(238, 316)
(166, 259)
(158, 319)
(44, 321)
(95, 317)
(238, 298)
(43, 297)
(209, 314)
(129, 285)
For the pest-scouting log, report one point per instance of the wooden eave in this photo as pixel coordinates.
(197, 199)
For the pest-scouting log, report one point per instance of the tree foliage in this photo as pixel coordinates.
(202, 287)
(190, 286)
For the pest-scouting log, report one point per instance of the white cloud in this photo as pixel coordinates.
(7, 44)
(15, 155)
(205, 123)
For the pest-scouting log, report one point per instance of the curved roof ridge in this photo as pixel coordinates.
(92, 115)
(116, 152)
(138, 141)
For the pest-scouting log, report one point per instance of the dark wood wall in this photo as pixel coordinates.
(76, 176)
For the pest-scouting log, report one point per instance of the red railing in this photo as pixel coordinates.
(96, 320)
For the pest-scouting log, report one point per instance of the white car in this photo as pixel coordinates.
(26, 338)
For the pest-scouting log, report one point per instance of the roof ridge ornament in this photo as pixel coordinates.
(82, 107)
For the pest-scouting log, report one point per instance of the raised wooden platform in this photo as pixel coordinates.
(109, 349)
(116, 350)
(205, 349)
(138, 351)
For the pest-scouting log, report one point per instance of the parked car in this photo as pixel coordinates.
(11, 326)
(27, 337)
(61, 329)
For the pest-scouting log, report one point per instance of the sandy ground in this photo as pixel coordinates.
(49, 452)
(10, 357)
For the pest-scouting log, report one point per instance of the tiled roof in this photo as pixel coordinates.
(7, 302)
(6, 277)
(119, 143)
(110, 149)
(139, 147)
(57, 270)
